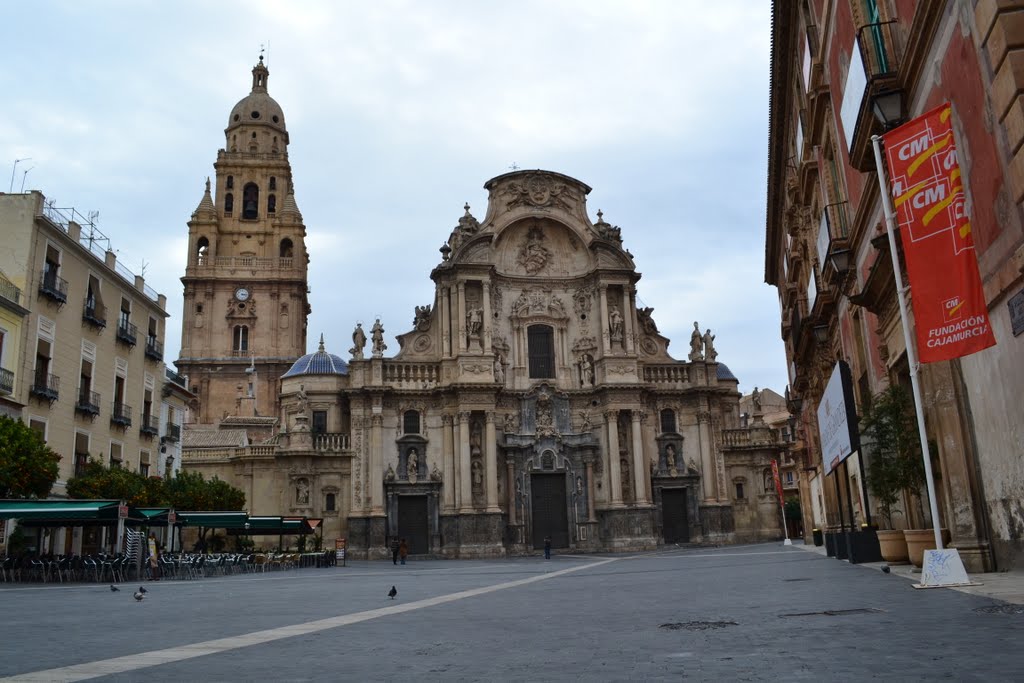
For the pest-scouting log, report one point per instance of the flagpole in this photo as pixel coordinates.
(890, 229)
(782, 505)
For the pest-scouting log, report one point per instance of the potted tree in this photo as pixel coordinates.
(894, 466)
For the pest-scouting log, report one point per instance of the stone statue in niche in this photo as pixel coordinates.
(696, 341)
(421, 320)
(303, 401)
(377, 335)
(586, 370)
(390, 474)
(579, 486)
(709, 346)
(545, 418)
(511, 423)
(615, 323)
(358, 342)
(302, 491)
(499, 369)
(691, 466)
(585, 424)
(413, 468)
(533, 255)
(670, 458)
(477, 469)
(627, 481)
(435, 474)
(474, 323)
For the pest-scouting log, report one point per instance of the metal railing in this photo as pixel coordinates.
(127, 332)
(6, 381)
(88, 401)
(154, 348)
(53, 286)
(150, 424)
(173, 432)
(121, 414)
(9, 291)
(93, 314)
(878, 49)
(174, 377)
(46, 385)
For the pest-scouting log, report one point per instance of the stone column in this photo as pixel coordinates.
(448, 451)
(614, 468)
(639, 466)
(460, 325)
(588, 461)
(606, 339)
(375, 492)
(488, 322)
(491, 454)
(465, 466)
(707, 465)
(628, 313)
(446, 324)
(510, 486)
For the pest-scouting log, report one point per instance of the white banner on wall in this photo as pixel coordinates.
(834, 418)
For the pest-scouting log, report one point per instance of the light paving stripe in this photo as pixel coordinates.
(142, 660)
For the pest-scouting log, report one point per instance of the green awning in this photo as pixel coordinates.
(63, 512)
(273, 526)
(154, 516)
(213, 520)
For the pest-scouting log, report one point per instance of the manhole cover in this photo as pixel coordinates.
(1001, 609)
(834, 612)
(697, 625)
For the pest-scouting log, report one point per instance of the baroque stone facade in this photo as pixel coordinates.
(531, 398)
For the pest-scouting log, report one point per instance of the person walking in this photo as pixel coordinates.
(154, 557)
(547, 547)
(394, 550)
(403, 550)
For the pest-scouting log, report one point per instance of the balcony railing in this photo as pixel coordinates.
(667, 374)
(9, 291)
(246, 262)
(411, 374)
(127, 332)
(94, 315)
(53, 287)
(121, 414)
(46, 386)
(154, 349)
(174, 377)
(6, 381)
(878, 50)
(173, 432)
(330, 442)
(150, 425)
(88, 402)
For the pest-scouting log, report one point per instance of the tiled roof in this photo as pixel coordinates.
(725, 373)
(214, 438)
(319, 363)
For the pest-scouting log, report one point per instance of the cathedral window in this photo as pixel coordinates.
(250, 201)
(230, 182)
(241, 338)
(271, 204)
(329, 502)
(229, 203)
(203, 248)
(540, 340)
(668, 421)
(411, 422)
(286, 248)
(740, 495)
(319, 421)
(273, 182)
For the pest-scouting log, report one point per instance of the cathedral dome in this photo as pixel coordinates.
(258, 107)
(319, 363)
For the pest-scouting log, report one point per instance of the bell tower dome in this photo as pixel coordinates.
(246, 301)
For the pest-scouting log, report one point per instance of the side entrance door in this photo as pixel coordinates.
(675, 524)
(413, 523)
(550, 515)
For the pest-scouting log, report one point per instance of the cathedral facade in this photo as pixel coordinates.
(530, 400)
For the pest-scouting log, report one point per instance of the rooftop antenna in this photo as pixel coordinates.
(23, 174)
(16, 162)
(142, 269)
(514, 167)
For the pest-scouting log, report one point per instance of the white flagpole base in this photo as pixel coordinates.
(943, 568)
(788, 542)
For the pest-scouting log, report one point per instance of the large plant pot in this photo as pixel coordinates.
(893, 545)
(919, 540)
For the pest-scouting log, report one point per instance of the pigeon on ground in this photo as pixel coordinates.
(138, 596)
(114, 589)
(885, 568)
(392, 593)
(142, 589)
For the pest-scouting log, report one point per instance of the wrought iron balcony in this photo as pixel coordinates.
(81, 461)
(154, 349)
(173, 432)
(53, 287)
(6, 381)
(150, 425)
(127, 332)
(878, 52)
(9, 291)
(88, 402)
(174, 377)
(121, 415)
(94, 315)
(46, 386)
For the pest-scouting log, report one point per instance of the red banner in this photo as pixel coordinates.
(778, 482)
(928, 193)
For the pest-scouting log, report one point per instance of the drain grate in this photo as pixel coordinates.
(835, 612)
(1001, 609)
(697, 625)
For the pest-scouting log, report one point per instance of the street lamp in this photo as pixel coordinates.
(841, 259)
(887, 106)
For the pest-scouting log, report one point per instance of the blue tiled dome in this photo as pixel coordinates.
(724, 372)
(319, 363)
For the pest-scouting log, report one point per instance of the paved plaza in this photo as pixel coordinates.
(747, 613)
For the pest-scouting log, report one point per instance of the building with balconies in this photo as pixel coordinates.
(837, 78)
(63, 369)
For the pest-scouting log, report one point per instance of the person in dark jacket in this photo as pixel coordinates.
(547, 547)
(403, 550)
(394, 551)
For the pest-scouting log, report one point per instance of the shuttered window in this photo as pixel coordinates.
(540, 339)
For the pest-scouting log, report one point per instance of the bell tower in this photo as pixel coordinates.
(246, 295)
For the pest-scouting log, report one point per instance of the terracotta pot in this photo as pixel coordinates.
(893, 545)
(919, 540)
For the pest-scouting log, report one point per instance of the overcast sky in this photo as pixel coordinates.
(398, 113)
